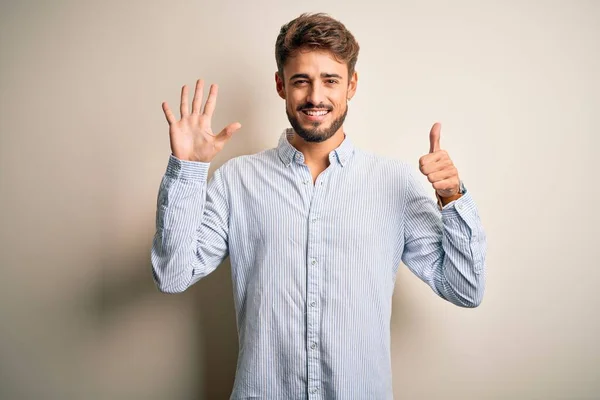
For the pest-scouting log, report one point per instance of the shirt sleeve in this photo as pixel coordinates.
(445, 248)
(191, 225)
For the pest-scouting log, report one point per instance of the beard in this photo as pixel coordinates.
(314, 134)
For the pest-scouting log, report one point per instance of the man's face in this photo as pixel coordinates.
(316, 90)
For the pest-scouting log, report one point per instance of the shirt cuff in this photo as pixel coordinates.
(187, 170)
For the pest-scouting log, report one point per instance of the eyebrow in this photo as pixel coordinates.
(323, 75)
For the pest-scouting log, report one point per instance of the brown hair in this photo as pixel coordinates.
(316, 31)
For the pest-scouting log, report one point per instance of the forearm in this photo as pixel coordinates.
(460, 276)
(181, 201)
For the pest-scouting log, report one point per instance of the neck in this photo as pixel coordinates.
(318, 153)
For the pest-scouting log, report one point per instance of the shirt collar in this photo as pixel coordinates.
(288, 153)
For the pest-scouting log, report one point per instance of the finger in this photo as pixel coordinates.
(442, 175)
(446, 184)
(435, 166)
(183, 108)
(211, 101)
(168, 114)
(433, 157)
(229, 130)
(434, 137)
(198, 93)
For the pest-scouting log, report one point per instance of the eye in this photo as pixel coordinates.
(300, 82)
(332, 81)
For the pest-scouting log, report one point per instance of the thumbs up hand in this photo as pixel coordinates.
(439, 169)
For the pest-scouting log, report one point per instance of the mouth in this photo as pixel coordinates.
(315, 114)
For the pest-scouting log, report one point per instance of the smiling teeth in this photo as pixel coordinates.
(316, 113)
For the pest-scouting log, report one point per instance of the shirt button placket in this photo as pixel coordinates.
(313, 312)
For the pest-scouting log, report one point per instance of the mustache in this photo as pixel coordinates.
(308, 106)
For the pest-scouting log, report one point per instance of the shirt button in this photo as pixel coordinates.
(312, 304)
(314, 220)
(314, 390)
(313, 346)
(314, 262)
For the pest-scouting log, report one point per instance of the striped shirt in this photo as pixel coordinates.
(314, 264)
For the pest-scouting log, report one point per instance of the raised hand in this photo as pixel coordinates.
(192, 138)
(438, 167)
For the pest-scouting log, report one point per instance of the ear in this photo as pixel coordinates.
(352, 83)
(279, 85)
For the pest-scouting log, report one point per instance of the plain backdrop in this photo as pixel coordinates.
(84, 144)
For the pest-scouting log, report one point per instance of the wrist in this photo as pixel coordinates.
(446, 200)
(443, 201)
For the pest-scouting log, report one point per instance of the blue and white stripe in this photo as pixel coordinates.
(314, 265)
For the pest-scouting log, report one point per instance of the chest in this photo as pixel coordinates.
(336, 209)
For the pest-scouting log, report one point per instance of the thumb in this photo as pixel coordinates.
(229, 130)
(434, 137)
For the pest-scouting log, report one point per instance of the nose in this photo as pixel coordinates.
(316, 94)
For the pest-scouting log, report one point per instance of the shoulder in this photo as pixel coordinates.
(246, 164)
(385, 165)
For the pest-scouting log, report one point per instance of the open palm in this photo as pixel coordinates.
(192, 138)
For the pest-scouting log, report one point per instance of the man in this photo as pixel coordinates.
(315, 229)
